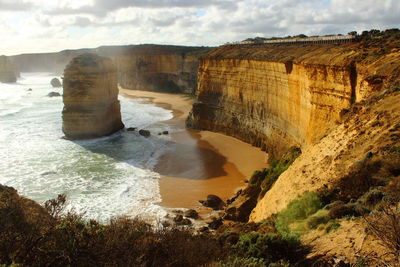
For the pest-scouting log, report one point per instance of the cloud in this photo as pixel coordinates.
(61, 24)
(11, 5)
(101, 8)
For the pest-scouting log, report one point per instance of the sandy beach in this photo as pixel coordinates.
(201, 162)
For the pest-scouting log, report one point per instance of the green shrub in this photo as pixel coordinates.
(270, 247)
(298, 209)
(240, 262)
(332, 225)
(267, 177)
(315, 220)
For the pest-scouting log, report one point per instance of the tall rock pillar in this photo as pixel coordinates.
(8, 74)
(91, 106)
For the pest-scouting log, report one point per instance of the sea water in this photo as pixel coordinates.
(101, 178)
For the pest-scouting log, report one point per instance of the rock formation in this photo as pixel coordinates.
(159, 68)
(139, 67)
(55, 82)
(8, 73)
(276, 97)
(91, 106)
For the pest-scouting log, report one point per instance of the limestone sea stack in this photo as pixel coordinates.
(7, 71)
(91, 106)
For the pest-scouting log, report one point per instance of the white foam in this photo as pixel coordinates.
(102, 177)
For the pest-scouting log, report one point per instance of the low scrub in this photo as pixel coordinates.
(31, 235)
(270, 247)
(297, 211)
(267, 177)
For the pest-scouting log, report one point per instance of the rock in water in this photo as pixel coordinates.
(145, 133)
(53, 94)
(91, 106)
(55, 82)
(7, 71)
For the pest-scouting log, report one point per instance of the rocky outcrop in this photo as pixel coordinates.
(91, 106)
(275, 97)
(55, 82)
(8, 74)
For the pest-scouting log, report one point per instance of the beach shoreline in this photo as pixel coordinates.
(201, 162)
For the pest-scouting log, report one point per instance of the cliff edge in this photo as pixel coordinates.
(91, 106)
(275, 97)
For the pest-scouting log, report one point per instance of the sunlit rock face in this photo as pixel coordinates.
(7, 72)
(91, 106)
(277, 97)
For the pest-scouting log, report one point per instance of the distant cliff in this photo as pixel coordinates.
(140, 67)
(91, 106)
(279, 96)
(8, 73)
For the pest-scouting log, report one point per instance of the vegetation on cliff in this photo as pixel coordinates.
(34, 235)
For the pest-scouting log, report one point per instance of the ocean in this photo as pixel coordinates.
(101, 178)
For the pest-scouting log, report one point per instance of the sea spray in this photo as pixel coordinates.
(102, 177)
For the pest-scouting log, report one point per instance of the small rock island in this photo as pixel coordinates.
(8, 73)
(91, 106)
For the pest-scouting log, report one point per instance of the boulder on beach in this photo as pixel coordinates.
(145, 133)
(191, 214)
(215, 223)
(131, 129)
(53, 94)
(55, 82)
(179, 220)
(214, 202)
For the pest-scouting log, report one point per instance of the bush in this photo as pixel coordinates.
(267, 177)
(347, 210)
(240, 262)
(298, 209)
(30, 236)
(315, 220)
(385, 226)
(270, 247)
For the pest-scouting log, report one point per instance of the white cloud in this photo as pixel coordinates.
(42, 25)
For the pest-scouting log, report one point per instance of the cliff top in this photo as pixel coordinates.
(333, 54)
(90, 63)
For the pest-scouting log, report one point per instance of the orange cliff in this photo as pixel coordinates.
(158, 68)
(91, 106)
(275, 97)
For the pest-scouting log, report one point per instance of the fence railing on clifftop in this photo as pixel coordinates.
(297, 40)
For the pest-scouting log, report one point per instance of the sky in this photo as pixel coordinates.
(34, 26)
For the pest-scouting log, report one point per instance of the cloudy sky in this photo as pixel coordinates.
(54, 25)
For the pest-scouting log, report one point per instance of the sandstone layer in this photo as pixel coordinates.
(8, 74)
(279, 96)
(91, 106)
(159, 68)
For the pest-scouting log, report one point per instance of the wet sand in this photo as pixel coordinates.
(201, 162)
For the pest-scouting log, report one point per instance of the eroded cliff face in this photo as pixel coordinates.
(141, 67)
(91, 106)
(157, 68)
(277, 97)
(8, 73)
